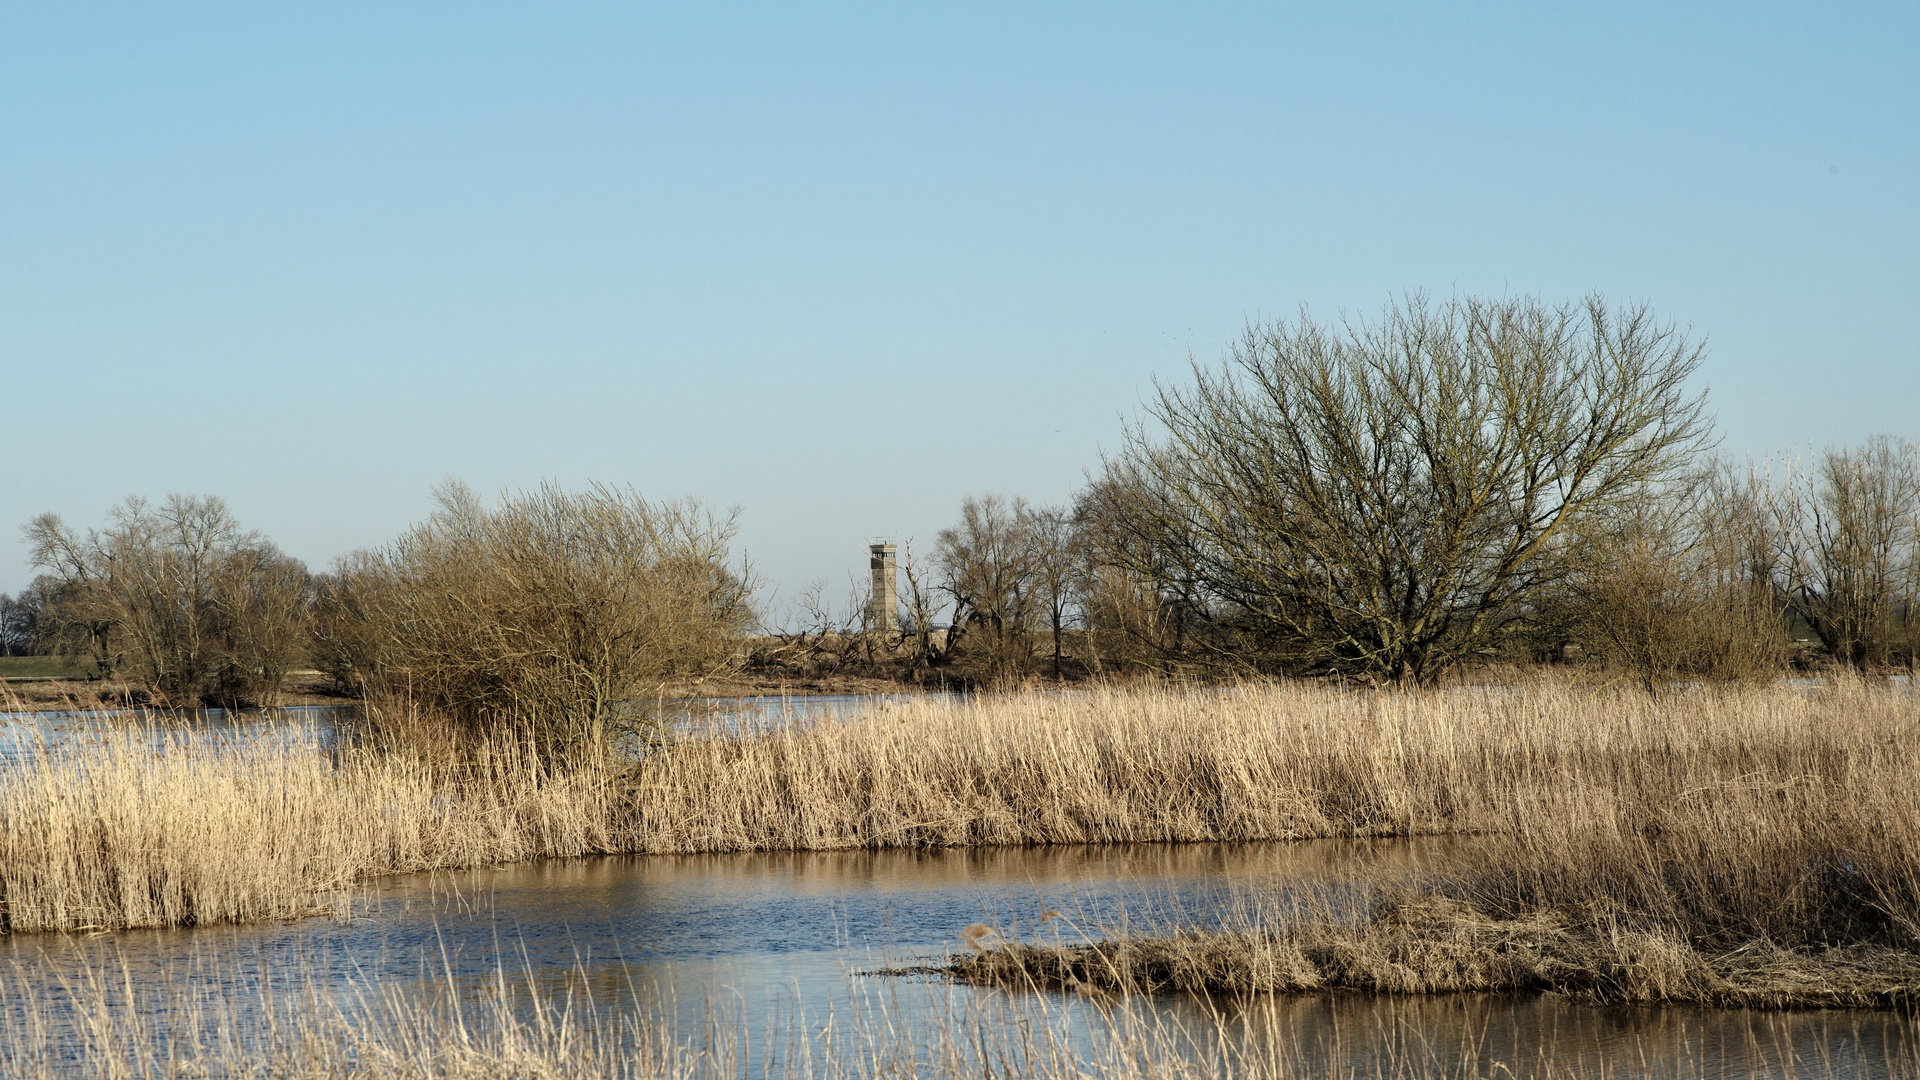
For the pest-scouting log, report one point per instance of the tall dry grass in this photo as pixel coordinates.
(1752, 848)
(138, 828)
(1716, 819)
(1270, 762)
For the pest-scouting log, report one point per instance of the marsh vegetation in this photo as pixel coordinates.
(1772, 826)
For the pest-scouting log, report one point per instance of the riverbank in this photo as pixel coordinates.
(65, 691)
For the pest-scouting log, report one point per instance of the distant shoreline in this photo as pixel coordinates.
(310, 688)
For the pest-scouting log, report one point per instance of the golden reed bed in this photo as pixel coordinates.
(1720, 817)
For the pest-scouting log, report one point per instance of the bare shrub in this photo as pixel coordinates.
(1385, 499)
(536, 619)
(815, 638)
(1659, 585)
(176, 596)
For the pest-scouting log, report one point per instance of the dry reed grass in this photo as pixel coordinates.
(1433, 945)
(1720, 819)
(138, 828)
(1274, 762)
(1750, 848)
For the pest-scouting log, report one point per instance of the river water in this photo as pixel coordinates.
(783, 952)
(26, 733)
(779, 945)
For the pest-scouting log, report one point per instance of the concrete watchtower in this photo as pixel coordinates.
(884, 612)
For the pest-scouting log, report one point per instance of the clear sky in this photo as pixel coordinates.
(842, 266)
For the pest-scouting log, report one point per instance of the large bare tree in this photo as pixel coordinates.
(1385, 498)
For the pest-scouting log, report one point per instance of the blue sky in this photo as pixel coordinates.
(842, 266)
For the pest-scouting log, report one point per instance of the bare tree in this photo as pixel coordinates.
(1850, 549)
(1839, 542)
(1386, 499)
(988, 568)
(1056, 569)
(176, 595)
(1661, 584)
(20, 622)
(346, 639)
(261, 604)
(1134, 602)
(922, 603)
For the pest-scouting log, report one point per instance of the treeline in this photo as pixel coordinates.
(1739, 572)
(1453, 484)
(549, 608)
(20, 623)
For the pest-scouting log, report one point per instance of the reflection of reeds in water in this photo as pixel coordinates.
(217, 1022)
(1717, 818)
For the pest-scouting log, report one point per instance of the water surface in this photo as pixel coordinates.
(781, 944)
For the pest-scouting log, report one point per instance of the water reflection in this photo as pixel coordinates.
(781, 941)
(1548, 1035)
(30, 732)
(25, 735)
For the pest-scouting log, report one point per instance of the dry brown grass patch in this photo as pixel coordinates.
(1437, 946)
